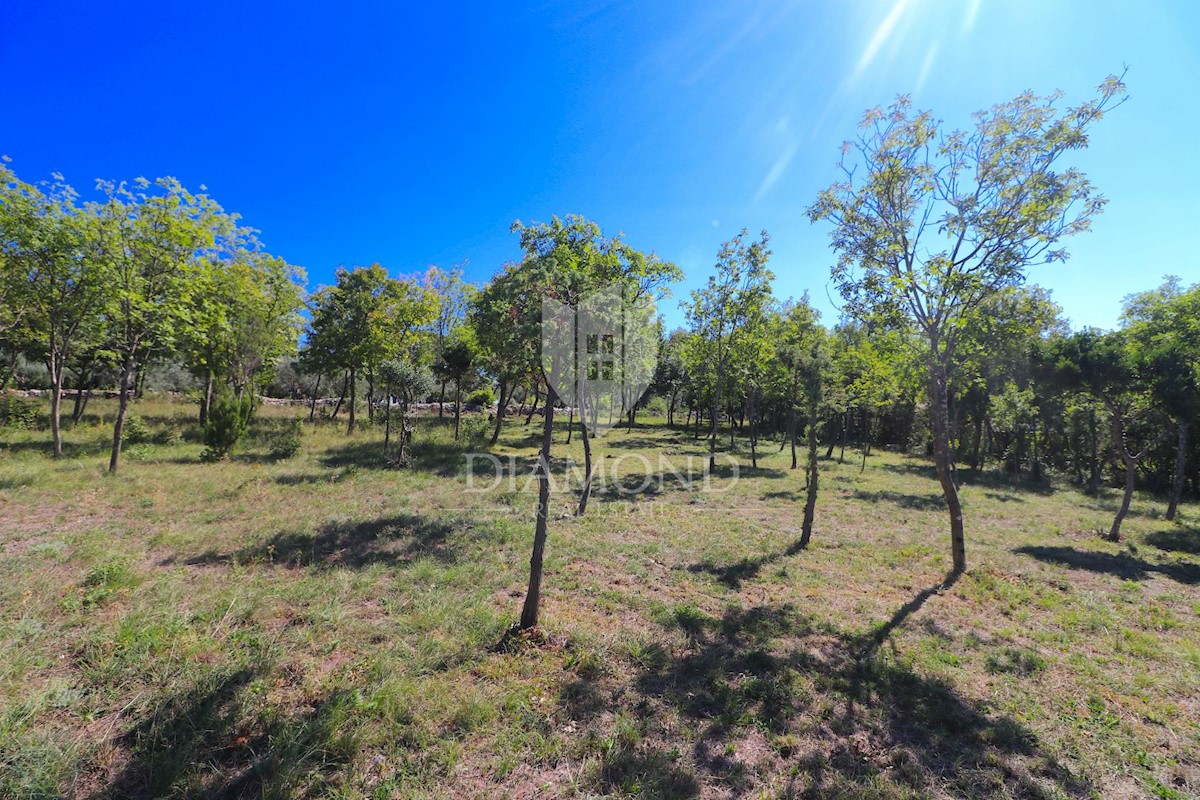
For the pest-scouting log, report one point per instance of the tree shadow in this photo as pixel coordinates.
(1004, 497)
(388, 540)
(735, 574)
(203, 741)
(925, 502)
(1124, 565)
(827, 707)
(1176, 540)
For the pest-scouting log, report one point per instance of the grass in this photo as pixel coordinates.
(323, 625)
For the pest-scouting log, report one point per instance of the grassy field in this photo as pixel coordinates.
(324, 625)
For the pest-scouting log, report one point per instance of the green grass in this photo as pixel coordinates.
(324, 625)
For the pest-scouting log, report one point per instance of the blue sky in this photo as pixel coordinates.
(415, 135)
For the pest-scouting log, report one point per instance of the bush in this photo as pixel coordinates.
(285, 442)
(135, 431)
(228, 421)
(476, 428)
(172, 434)
(481, 397)
(17, 413)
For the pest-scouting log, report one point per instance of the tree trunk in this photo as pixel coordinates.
(866, 439)
(341, 397)
(370, 395)
(312, 409)
(1118, 433)
(206, 396)
(533, 596)
(792, 434)
(586, 492)
(940, 423)
(387, 419)
(77, 410)
(716, 407)
(977, 443)
(442, 400)
(1180, 467)
(56, 381)
(811, 479)
(845, 435)
(533, 408)
(140, 383)
(500, 405)
(1094, 483)
(751, 413)
(457, 409)
(122, 411)
(353, 397)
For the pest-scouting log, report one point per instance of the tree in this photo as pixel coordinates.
(737, 296)
(803, 351)
(1103, 365)
(150, 240)
(410, 382)
(1164, 331)
(454, 299)
(507, 343)
(564, 261)
(458, 364)
(937, 224)
(47, 243)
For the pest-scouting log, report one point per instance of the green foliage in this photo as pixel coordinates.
(285, 441)
(136, 431)
(101, 584)
(483, 396)
(228, 421)
(17, 413)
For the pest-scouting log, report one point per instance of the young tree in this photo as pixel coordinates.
(935, 225)
(737, 296)
(150, 241)
(802, 350)
(47, 242)
(458, 365)
(410, 382)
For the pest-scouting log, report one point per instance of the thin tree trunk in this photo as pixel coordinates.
(940, 419)
(206, 396)
(533, 408)
(845, 435)
(1118, 432)
(387, 419)
(866, 442)
(353, 397)
(122, 411)
(56, 380)
(586, 492)
(716, 406)
(977, 443)
(341, 397)
(457, 409)
(753, 431)
(370, 395)
(312, 409)
(442, 399)
(1094, 483)
(500, 405)
(533, 596)
(792, 434)
(77, 410)
(811, 479)
(1180, 467)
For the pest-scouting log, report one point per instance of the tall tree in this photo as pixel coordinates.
(150, 239)
(48, 242)
(736, 296)
(1164, 330)
(935, 224)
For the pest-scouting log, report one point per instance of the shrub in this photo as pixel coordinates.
(481, 397)
(172, 434)
(17, 412)
(285, 442)
(135, 431)
(476, 428)
(228, 421)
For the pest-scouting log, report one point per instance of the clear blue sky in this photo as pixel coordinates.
(415, 134)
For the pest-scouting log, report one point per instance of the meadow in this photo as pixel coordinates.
(326, 625)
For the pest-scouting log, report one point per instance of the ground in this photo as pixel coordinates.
(325, 625)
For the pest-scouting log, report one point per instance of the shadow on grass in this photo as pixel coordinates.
(771, 681)
(988, 479)
(735, 574)
(1176, 540)
(924, 502)
(1123, 565)
(388, 540)
(205, 741)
